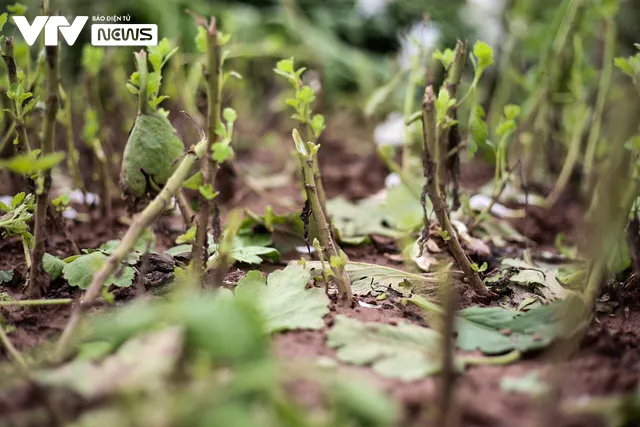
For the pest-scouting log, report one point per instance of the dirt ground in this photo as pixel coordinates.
(606, 363)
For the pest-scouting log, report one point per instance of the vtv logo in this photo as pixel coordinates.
(51, 24)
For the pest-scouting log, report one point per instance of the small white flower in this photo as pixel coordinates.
(392, 180)
(391, 131)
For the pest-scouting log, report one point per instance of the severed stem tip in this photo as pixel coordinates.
(429, 99)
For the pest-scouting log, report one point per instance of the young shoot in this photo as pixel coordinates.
(211, 41)
(312, 124)
(328, 249)
(14, 221)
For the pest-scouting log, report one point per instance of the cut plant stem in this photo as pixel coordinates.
(38, 278)
(208, 166)
(430, 135)
(140, 223)
(327, 245)
(448, 415)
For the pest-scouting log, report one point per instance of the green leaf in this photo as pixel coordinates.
(17, 199)
(195, 182)
(3, 20)
(445, 57)
(283, 299)
(201, 39)
(222, 151)
(208, 192)
(373, 279)
(30, 163)
(17, 9)
(229, 115)
(511, 111)
(80, 271)
(53, 265)
(180, 250)
(406, 351)
(255, 254)
(358, 220)
(6, 276)
(495, 330)
(188, 237)
(624, 65)
(285, 66)
(484, 53)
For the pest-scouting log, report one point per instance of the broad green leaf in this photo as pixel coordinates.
(80, 271)
(532, 279)
(53, 265)
(358, 220)
(255, 254)
(6, 276)
(402, 209)
(495, 330)
(284, 300)
(405, 351)
(374, 279)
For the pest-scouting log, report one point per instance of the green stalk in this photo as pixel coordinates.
(603, 89)
(328, 246)
(140, 223)
(38, 279)
(73, 157)
(409, 101)
(570, 161)
(430, 135)
(208, 167)
(442, 147)
(12, 72)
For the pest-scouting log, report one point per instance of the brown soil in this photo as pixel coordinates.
(607, 363)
